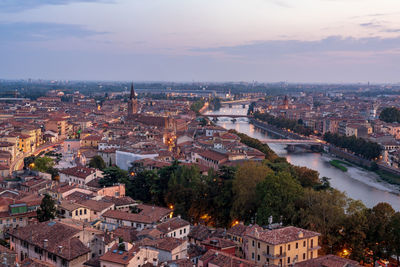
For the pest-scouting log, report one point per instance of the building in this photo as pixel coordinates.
(175, 227)
(71, 210)
(214, 258)
(281, 247)
(14, 215)
(79, 175)
(169, 248)
(328, 261)
(131, 256)
(132, 103)
(51, 242)
(220, 244)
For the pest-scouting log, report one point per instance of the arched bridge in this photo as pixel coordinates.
(227, 116)
(292, 141)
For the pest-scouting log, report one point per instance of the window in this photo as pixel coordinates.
(297, 245)
(304, 256)
(20, 219)
(258, 244)
(174, 234)
(184, 230)
(304, 243)
(268, 250)
(84, 211)
(1, 221)
(288, 260)
(176, 257)
(312, 243)
(76, 213)
(280, 250)
(180, 231)
(258, 257)
(288, 247)
(252, 255)
(80, 212)
(253, 243)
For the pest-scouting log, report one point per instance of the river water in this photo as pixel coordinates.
(357, 183)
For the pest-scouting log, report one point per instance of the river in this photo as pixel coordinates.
(357, 183)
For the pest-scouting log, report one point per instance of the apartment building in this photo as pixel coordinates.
(280, 247)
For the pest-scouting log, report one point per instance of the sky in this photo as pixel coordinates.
(325, 41)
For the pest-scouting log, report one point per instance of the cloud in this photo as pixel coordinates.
(38, 31)
(371, 25)
(281, 48)
(20, 5)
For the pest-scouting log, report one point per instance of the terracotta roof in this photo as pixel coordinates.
(166, 243)
(119, 256)
(282, 235)
(81, 172)
(69, 205)
(128, 234)
(219, 258)
(219, 243)
(172, 224)
(213, 155)
(154, 212)
(32, 262)
(57, 234)
(96, 205)
(237, 230)
(119, 201)
(328, 261)
(132, 217)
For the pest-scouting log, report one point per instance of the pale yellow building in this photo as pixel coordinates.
(74, 211)
(281, 247)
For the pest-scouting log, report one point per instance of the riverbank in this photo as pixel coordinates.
(358, 183)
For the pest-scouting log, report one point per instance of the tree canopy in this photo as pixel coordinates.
(47, 209)
(390, 115)
(97, 162)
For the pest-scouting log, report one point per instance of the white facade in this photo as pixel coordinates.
(124, 159)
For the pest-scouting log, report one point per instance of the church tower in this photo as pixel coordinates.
(132, 103)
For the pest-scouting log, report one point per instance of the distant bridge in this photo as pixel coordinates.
(292, 141)
(226, 116)
(244, 101)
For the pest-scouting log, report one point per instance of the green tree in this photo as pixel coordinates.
(379, 218)
(306, 176)
(142, 184)
(390, 115)
(97, 162)
(47, 209)
(114, 175)
(394, 235)
(355, 229)
(43, 164)
(276, 196)
(247, 177)
(323, 212)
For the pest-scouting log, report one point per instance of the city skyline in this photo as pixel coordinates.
(267, 41)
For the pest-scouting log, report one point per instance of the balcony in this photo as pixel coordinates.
(276, 256)
(314, 248)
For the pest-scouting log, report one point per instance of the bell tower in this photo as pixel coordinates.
(132, 103)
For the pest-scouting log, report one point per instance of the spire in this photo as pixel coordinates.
(132, 96)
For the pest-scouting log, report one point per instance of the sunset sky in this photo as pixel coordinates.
(202, 40)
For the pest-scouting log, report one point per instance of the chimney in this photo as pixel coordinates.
(45, 242)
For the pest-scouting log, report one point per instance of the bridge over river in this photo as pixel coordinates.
(292, 141)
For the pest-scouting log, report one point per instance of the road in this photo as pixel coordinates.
(18, 163)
